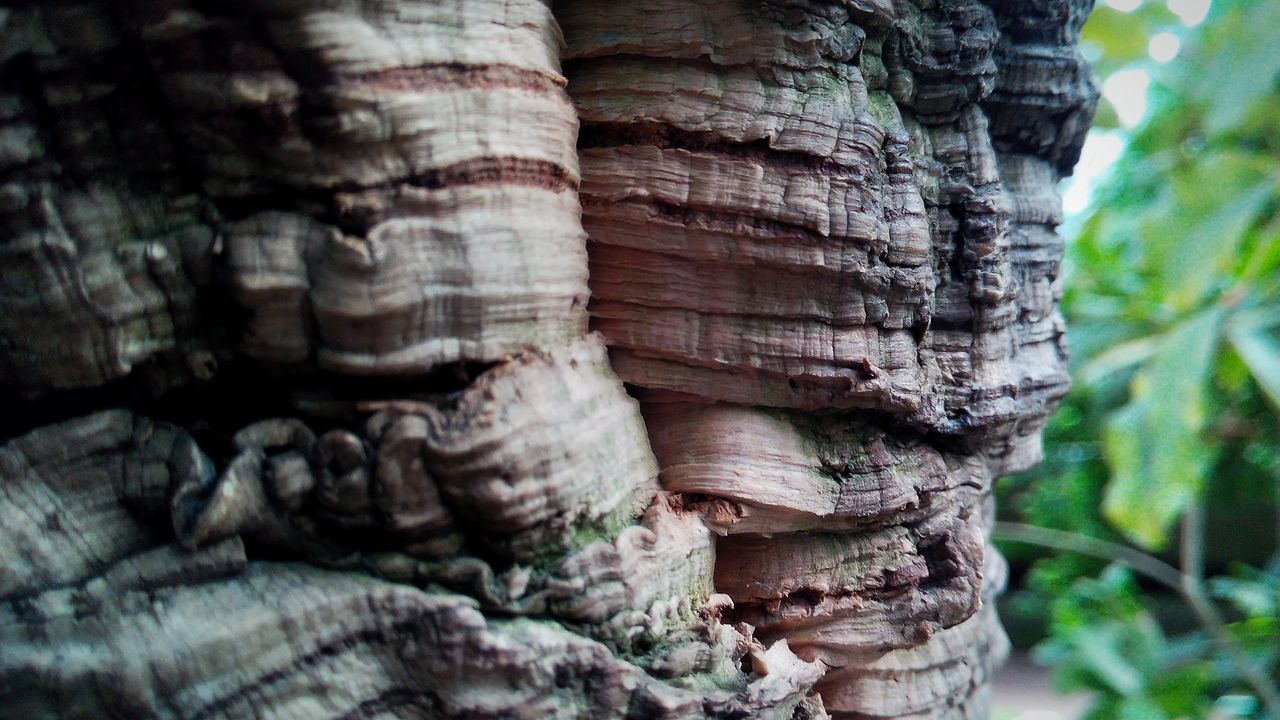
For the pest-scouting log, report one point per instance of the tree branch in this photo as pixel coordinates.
(1186, 582)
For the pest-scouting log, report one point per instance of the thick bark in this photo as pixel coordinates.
(803, 208)
(309, 419)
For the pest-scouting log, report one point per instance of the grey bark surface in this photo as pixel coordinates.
(505, 359)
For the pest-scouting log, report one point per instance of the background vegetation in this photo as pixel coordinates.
(1152, 553)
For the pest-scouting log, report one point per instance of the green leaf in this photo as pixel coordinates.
(1249, 596)
(1154, 445)
(1242, 65)
(1258, 348)
(1140, 708)
(1186, 691)
(1101, 650)
(1236, 706)
(1196, 241)
(1114, 38)
(1118, 357)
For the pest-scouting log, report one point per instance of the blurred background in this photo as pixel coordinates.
(1145, 572)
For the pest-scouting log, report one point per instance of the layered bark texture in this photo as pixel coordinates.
(315, 319)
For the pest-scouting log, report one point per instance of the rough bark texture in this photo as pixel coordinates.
(315, 318)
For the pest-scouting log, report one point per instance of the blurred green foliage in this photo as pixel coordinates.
(1103, 638)
(1173, 307)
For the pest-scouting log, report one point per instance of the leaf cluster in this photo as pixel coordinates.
(1173, 308)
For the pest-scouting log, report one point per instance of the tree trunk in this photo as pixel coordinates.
(311, 416)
